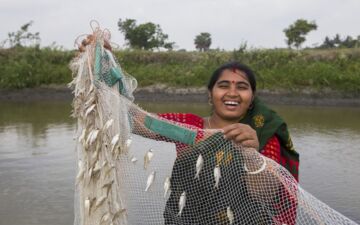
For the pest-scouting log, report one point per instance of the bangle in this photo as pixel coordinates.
(259, 170)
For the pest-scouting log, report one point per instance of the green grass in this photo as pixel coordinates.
(318, 70)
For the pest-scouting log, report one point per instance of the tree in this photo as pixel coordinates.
(144, 36)
(23, 37)
(296, 32)
(203, 41)
(338, 42)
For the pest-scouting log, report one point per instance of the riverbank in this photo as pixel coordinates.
(162, 93)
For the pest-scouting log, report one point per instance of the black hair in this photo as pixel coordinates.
(233, 66)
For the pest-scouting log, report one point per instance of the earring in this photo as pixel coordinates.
(210, 101)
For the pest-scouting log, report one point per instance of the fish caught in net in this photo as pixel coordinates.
(135, 167)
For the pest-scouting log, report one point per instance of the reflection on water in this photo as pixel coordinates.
(37, 158)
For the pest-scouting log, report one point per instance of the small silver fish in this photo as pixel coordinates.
(105, 217)
(217, 175)
(82, 136)
(92, 137)
(230, 215)
(90, 100)
(108, 124)
(91, 89)
(199, 165)
(118, 214)
(134, 159)
(147, 158)
(128, 143)
(166, 186)
(100, 201)
(150, 180)
(87, 206)
(108, 186)
(97, 167)
(182, 202)
(114, 141)
(89, 109)
(81, 172)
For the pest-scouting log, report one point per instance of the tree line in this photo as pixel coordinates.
(149, 36)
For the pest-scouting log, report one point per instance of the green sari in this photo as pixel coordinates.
(268, 123)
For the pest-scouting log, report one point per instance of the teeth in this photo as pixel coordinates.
(231, 103)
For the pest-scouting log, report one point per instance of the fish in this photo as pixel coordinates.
(100, 201)
(114, 141)
(166, 186)
(95, 155)
(147, 158)
(108, 124)
(105, 217)
(81, 172)
(199, 165)
(118, 214)
(97, 167)
(182, 201)
(87, 206)
(91, 100)
(92, 137)
(134, 159)
(230, 214)
(108, 186)
(150, 180)
(128, 142)
(90, 173)
(82, 136)
(217, 175)
(90, 89)
(109, 169)
(89, 110)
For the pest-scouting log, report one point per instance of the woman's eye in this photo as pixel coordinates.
(242, 87)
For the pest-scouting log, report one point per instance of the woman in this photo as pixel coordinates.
(244, 120)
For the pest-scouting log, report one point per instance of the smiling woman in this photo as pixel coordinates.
(242, 117)
(247, 122)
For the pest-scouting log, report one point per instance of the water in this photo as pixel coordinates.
(37, 158)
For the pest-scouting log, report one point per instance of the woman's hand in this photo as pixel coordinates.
(241, 134)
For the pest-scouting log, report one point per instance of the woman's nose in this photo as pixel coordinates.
(232, 91)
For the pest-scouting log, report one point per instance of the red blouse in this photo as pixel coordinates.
(270, 150)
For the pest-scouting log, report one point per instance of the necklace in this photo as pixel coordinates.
(208, 120)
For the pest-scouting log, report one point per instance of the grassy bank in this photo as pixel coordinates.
(314, 70)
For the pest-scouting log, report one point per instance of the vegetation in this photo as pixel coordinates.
(296, 32)
(22, 37)
(318, 70)
(23, 67)
(146, 36)
(24, 64)
(338, 42)
(203, 41)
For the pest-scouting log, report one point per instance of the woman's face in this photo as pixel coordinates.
(231, 95)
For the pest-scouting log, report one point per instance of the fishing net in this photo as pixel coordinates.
(135, 167)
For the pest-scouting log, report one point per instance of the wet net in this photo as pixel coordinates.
(135, 167)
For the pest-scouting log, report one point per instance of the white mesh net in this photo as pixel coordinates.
(137, 168)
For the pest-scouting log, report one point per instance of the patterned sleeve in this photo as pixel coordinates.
(272, 149)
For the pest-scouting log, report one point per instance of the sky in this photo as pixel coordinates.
(259, 23)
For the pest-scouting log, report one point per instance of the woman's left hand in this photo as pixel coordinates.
(241, 134)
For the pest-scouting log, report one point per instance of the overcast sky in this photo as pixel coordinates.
(230, 22)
